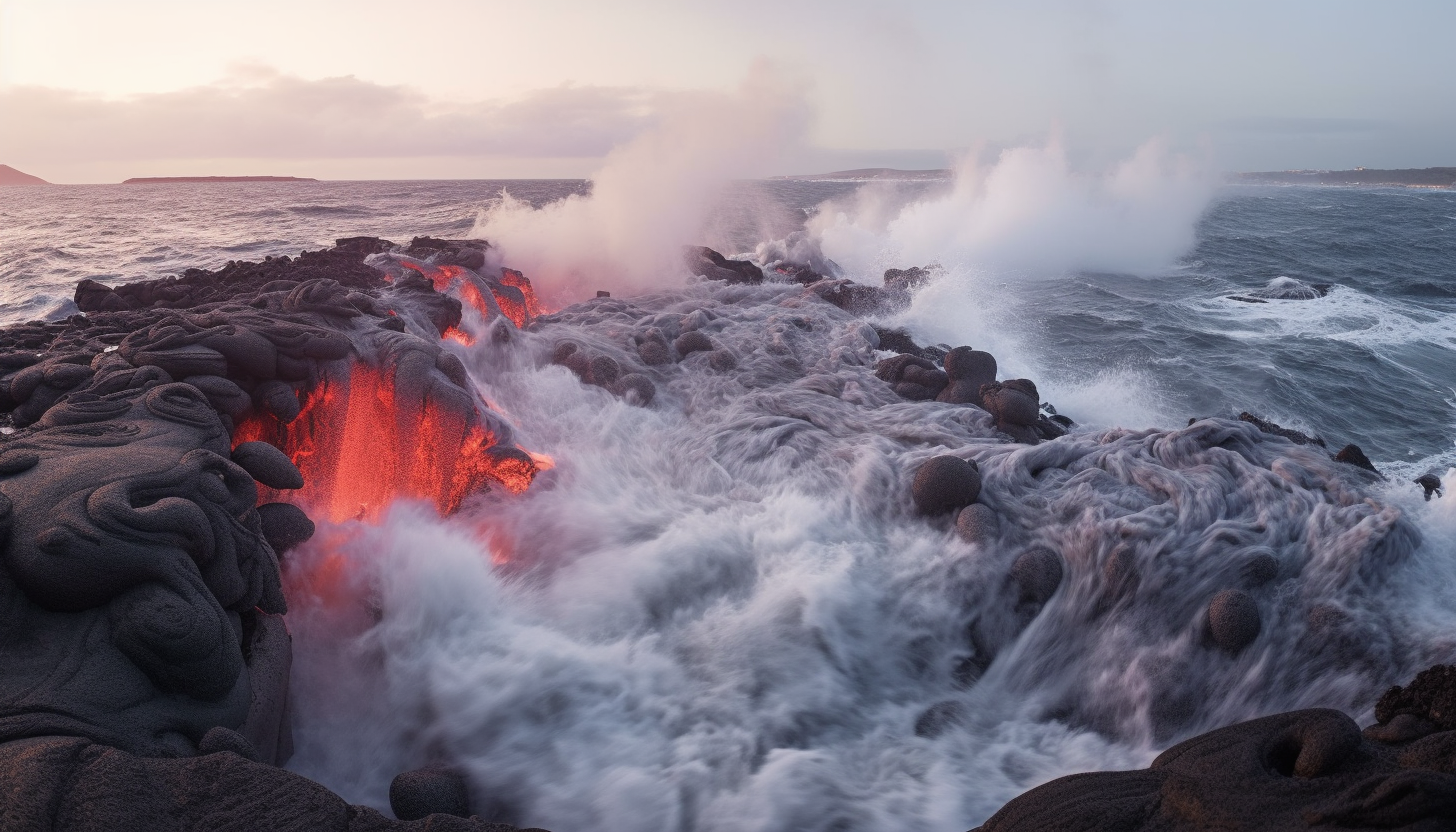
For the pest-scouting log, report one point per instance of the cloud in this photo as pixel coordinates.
(258, 113)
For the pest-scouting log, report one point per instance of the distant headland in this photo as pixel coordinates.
(868, 174)
(177, 180)
(1405, 178)
(11, 176)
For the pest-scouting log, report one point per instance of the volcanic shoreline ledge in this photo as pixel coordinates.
(162, 452)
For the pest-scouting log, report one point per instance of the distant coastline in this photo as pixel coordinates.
(177, 180)
(872, 174)
(1444, 178)
(11, 176)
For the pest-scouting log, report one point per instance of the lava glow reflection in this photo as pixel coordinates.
(360, 449)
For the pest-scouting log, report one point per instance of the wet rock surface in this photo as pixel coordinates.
(1311, 769)
(148, 428)
(146, 494)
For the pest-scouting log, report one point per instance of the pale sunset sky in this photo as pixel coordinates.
(100, 90)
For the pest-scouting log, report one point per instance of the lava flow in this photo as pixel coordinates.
(360, 448)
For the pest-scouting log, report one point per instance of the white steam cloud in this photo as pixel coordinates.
(652, 194)
(1031, 213)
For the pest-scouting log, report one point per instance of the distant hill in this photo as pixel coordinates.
(175, 180)
(11, 176)
(868, 174)
(1408, 177)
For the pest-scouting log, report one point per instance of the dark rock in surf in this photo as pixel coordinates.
(1274, 430)
(1352, 455)
(691, 342)
(722, 360)
(944, 483)
(635, 388)
(1014, 403)
(415, 795)
(1298, 770)
(897, 340)
(905, 280)
(859, 299)
(654, 352)
(1259, 570)
(968, 370)
(1431, 695)
(705, 262)
(1430, 484)
(1036, 574)
(912, 377)
(1233, 620)
(977, 523)
(603, 371)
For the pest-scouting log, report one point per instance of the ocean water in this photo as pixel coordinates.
(720, 613)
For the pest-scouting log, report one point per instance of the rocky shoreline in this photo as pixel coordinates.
(154, 450)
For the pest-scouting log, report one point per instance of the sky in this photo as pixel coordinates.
(99, 90)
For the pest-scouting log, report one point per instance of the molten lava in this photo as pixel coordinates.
(511, 277)
(470, 294)
(459, 336)
(359, 448)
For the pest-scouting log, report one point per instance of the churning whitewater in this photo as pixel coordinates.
(723, 612)
(719, 608)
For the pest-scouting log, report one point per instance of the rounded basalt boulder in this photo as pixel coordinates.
(944, 483)
(654, 352)
(278, 399)
(1233, 619)
(284, 525)
(1010, 403)
(219, 739)
(415, 795)
(722, 360)
(635, 388)
(977, 523)
(268, 465)
(966, 364)
(691, 342)
(604, 371)
(1037, 573)
(1259, 570)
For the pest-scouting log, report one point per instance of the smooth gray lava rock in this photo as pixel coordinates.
(691, 342)
(944, 483)
(1037, 573)
(1300, 770)
(284, 525)
(414, 795)
(1233, 619)
(977, 523)
(268, 465)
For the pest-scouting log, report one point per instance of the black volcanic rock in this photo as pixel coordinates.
(705, 262)
(1352, 455)
(944, 483)
(1274, 430)
(74, 784)
(1430, 484)
(1430, 695)
(1233, 619)
(145, 658)
(1300, 770)
(415, 795)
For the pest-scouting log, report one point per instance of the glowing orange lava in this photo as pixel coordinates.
(511, 277)
(459, 336)
(359, 449)
(470, 293)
